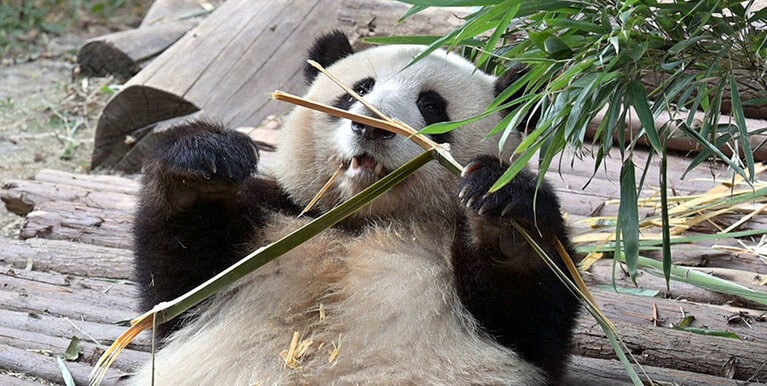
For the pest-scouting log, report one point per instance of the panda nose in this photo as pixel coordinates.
(369, 132)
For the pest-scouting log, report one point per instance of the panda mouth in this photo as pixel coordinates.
(365, 165)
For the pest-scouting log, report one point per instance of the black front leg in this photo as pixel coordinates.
(501, 280)
(200, 207)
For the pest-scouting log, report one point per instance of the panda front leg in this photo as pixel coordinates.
(200, 206)
(502, 282)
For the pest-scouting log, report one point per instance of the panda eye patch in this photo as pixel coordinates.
(433, 108)
(362, 87)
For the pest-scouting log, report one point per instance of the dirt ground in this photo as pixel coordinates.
(48, 115)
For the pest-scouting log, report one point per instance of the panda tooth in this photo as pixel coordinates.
(355, 163)
(379, 169)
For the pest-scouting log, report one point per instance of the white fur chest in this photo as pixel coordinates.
(377, 307)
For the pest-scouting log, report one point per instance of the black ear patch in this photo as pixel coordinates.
(511, 76)
(326, 50)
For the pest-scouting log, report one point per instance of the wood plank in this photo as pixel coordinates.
(8, 378)
(33, 364)
(124, 53)
(66, 328)
(594, 371)
(128, 361)
(117, 294)
(665, 347)
(34, 302)
(67, 257)
(60, 220)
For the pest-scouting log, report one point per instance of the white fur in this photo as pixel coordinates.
(390, 308)
(388, 294)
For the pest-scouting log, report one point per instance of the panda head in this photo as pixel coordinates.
(440, 87)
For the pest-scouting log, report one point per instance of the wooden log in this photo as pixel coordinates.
(231, 62)
(665, 347)
(8, 378)
(163, 11)
(77, 222)
(113, 294)
(65, 302)
(54, 326)
(67, 257)
(593, 371)
(16, 360)
(21, 196)
(128, 361)
(123, 54)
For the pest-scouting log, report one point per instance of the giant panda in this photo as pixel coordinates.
(430, 284)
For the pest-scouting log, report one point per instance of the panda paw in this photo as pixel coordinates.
(205, 153)
(515, 200)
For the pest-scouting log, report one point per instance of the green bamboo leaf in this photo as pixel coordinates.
(630, 291)
(65, 373)
(653, 245)
(638, 97)
(422, 40)
(74, 349)
(665, 229)
(709, 332)
(628, 218)
(557, 48)
(515, 168)
(412, 11)
(740, 119)
(703, 280)
(500, 30)
(451, 3)
(686, 321)
(713, 149)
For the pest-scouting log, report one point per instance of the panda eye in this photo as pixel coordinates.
(362, 87)
(433, 107)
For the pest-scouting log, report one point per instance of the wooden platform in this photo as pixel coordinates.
(69, 275)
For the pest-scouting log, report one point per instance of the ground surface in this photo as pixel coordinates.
(48, 115)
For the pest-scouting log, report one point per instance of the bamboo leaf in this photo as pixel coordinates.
(638, 97)
(65, 373)
(628, 218)
(630, 291)
(740, 119)
(412, 11)
(703, 280)
(665, 229)
(709, 332)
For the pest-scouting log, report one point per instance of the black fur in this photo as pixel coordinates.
(200, 203)
(326, 50)
(512, 75)
(505, 285)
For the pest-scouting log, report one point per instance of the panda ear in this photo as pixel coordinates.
(512, 75)
(326, 50)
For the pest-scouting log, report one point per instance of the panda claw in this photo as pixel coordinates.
(471, 168)
(483, 209)
(470, 201)
(506, 210)
(463, 192)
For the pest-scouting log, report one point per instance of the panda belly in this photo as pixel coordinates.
(378, 307)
